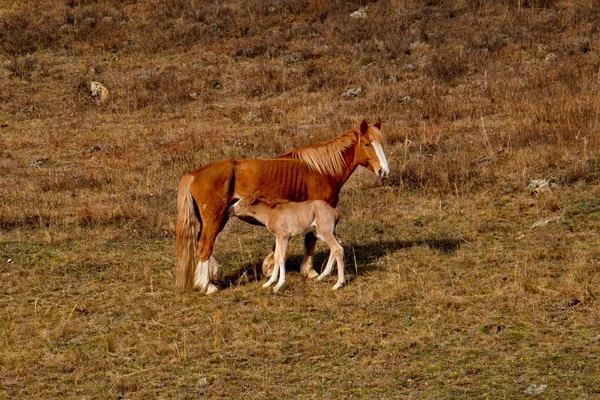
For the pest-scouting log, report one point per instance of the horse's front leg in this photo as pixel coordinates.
(306, 268)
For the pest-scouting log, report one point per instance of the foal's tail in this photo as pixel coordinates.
(188, 226)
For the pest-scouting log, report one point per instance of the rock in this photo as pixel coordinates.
(97, 148)
(203, 381)
(541, 185)
(293, 58)
(352, 92)
(38, 163)
(98, 92)
(360, 13)
(535, 389)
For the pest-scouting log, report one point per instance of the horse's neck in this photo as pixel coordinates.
(350, 166)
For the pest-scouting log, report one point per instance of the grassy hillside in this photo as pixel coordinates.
(454, 290)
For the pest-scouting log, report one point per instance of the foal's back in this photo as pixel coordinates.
(303, 217)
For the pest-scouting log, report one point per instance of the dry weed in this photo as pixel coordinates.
(452, 293)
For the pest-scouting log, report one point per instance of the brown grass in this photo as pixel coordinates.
(451, 292)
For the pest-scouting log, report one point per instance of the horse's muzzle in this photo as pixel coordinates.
(383, 173)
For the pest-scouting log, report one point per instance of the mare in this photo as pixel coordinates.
(287, 219)
(317, 172)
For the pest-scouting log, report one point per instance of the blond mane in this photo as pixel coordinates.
(328, 157)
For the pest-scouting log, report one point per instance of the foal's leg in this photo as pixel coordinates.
(280, 252)
(306, 268)
(336, 254)
(273, 277)
(340, 267)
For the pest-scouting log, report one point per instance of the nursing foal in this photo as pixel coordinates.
(289, 219)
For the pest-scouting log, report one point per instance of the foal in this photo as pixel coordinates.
(291, 219)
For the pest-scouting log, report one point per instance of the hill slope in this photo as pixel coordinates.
(453, 293)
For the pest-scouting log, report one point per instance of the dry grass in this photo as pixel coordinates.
(451, 293)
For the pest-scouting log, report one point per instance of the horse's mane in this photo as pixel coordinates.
(325, 157)
(328, 157)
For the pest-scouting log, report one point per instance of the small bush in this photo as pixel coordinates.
(23, 67)
(169, 87)
(24, 32)
(447, 69)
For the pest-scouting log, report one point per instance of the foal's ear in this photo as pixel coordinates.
(364, 127)
(254, 197)
(378, 123)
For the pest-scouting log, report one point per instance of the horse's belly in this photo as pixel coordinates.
(302, 231)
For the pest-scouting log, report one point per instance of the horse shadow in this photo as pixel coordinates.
(362, 257)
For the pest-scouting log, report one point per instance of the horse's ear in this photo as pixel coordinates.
(378, 123)
(364, 127)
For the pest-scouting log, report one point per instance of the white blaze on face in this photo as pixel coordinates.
(382, 160)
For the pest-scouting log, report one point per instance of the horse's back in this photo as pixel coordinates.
(282, 178)
(274, 178)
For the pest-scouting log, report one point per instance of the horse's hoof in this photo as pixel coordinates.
(266, 285)
(312, 274)
(211, 289)
(337, 286)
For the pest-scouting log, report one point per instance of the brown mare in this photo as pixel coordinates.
(286, 219)
(312, 173)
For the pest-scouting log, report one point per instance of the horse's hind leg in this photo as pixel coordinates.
(306, 268)
(206, 244)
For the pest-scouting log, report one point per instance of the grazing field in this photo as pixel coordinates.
(464, 279)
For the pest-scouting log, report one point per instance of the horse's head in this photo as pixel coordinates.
(369, 150)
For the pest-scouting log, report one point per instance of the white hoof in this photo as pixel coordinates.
(211, 289)
(267, 284)
(337, 286)
(312, 274)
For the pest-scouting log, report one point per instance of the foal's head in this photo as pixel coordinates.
(254, 206)
(369, 150)
(243, 207)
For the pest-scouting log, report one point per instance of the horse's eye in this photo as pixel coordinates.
(367, 144)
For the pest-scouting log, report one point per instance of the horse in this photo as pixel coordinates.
(317, 172)
(286, 219)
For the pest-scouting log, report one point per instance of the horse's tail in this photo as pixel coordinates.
(188, 226)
